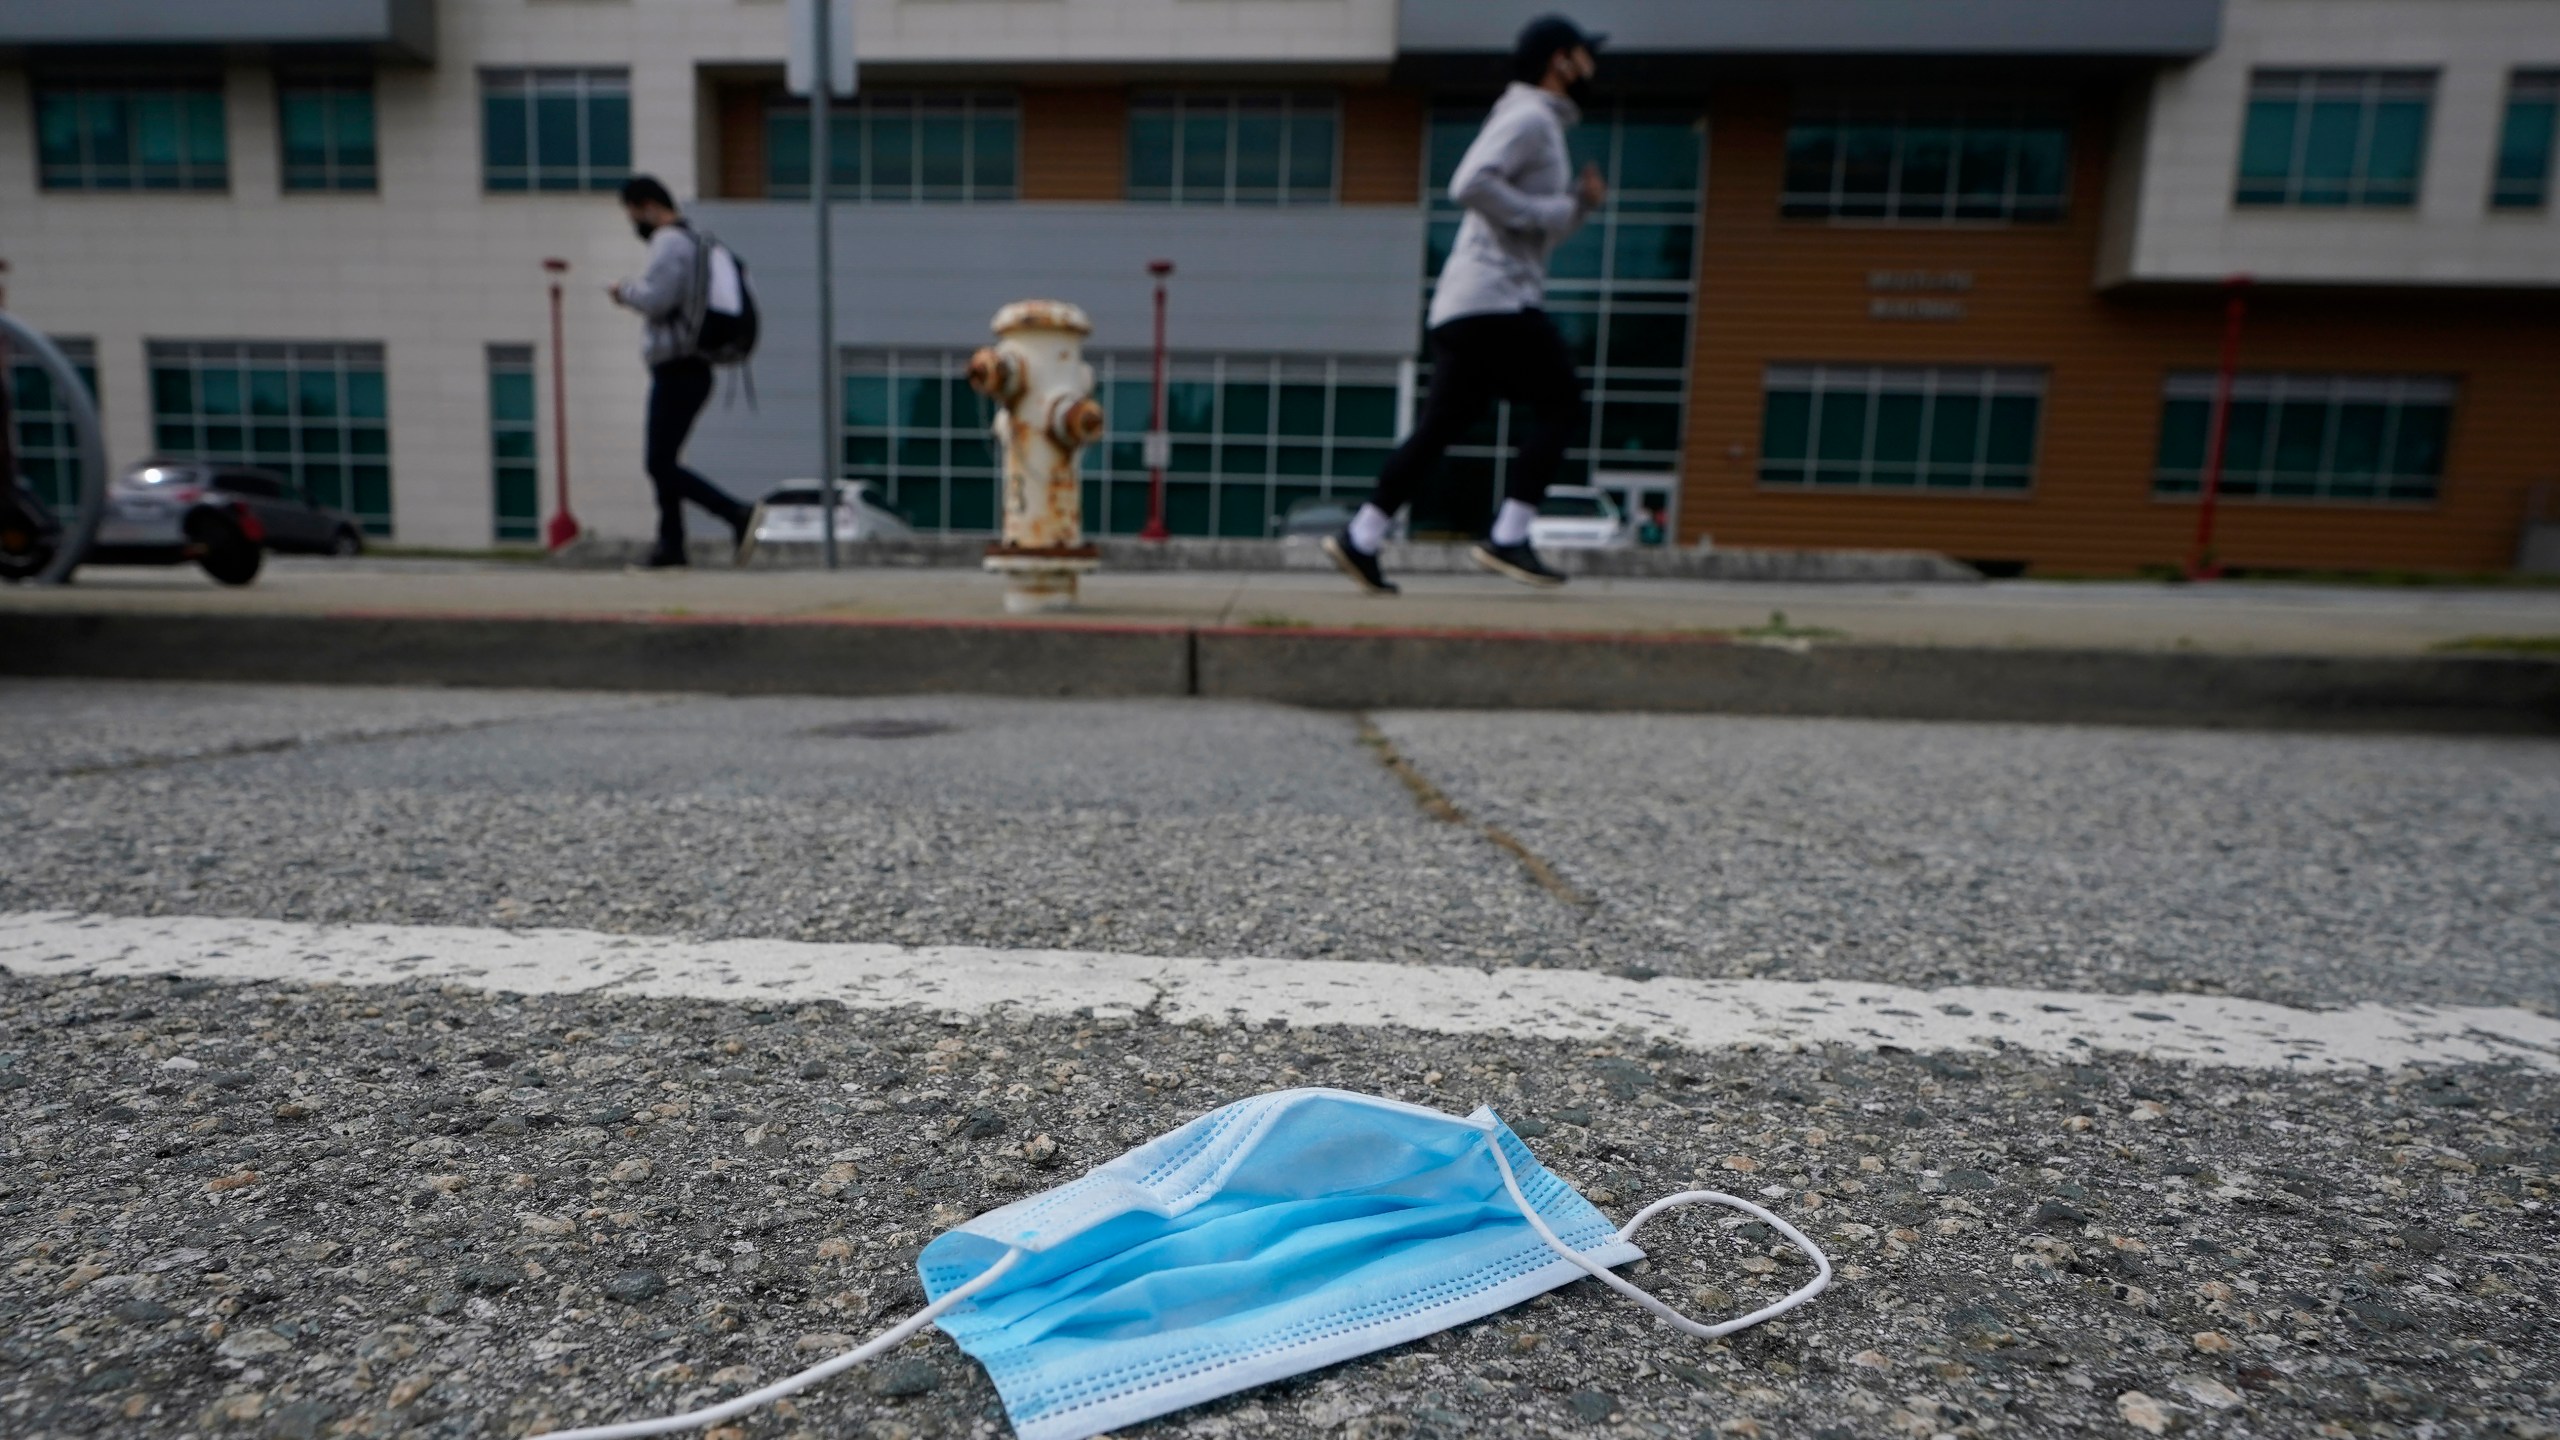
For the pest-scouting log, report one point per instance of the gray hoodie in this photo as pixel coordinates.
(1516, 181)
(664, 295)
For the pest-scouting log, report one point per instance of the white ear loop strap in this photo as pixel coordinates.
(756, 1399)
(1669, 1316)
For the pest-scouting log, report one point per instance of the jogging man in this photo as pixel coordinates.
(1489, 338)
(679, 378)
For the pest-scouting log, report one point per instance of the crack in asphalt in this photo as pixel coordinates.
(1436, 803)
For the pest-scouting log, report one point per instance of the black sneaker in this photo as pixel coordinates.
(1362, 568)
(659, 560)
(1517, 562)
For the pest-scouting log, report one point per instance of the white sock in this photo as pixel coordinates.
(1369, 529)
(1511, 523)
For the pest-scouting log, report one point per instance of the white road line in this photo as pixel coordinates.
(1450, 1000)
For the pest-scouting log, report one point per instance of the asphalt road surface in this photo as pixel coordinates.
(393, 1195)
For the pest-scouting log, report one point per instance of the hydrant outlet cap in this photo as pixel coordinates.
(1042, 315)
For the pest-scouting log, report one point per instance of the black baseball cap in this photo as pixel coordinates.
(1543, 39)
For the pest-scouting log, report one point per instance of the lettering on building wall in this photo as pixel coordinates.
(1881, 309)
(1917, 294)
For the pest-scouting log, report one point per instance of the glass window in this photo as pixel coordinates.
(1253, 434)
(2344, 438)
(1622, 291)
(2334, 138)
(48, 449)
(314, 413)
(515, 477)
(1233, 149)
(2523, 179)
(1923, 166)
(1955, 429)
(554, 129)
(895, 148)
(146, 134)
(326, 129)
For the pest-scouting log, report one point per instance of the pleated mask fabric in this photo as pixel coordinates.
(1281, 1233)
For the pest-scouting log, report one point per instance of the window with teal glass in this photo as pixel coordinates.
(1927, 166)
(48, 448)
(1240, 149)
(2335, 138)
(554, 129)
(2523, 180)
(515, 475)
(897, 148)
(154, 134)
(325, 124)
(2363, 439)
(1896, 428)
(1252, 435)
(1622, 290)
(314, 411)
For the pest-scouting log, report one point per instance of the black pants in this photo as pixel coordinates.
(1476, 360)
(677, 391)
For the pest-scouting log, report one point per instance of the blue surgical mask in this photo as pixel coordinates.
(1281, 1233)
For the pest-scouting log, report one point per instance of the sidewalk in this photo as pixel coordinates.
(2339, 658)
(2135, 615)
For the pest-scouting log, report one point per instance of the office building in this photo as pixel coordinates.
(1871, 274)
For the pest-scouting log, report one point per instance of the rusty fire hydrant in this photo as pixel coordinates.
(1036, 373)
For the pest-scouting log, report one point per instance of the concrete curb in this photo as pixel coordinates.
(1338, 669)
(722, 656)
(1662, 673)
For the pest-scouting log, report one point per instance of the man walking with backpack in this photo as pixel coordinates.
(678, 296)
(1489, 338)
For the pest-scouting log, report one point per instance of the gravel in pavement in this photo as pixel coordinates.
(392, 1212)
(407, 1212)
(2300, 869)
(2308, 870)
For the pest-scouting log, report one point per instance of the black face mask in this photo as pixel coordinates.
(1580, 93)
(644, 229)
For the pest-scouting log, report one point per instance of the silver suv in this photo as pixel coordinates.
(222, 517)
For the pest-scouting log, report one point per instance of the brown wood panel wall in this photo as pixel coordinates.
(1773, 290)
(1381, 147)
(740, 106)
(1075, 143)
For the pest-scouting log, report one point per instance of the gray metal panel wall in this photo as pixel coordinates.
(403, 26)
(2164, 28)
(1322, 281)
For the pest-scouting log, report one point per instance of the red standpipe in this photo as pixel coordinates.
(2201, 565)
(1155, 529)
(564, 526)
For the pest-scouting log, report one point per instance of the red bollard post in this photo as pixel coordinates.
(2201, 565)
(1158, 443)
(564, 526)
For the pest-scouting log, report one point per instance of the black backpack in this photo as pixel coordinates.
(723, 337)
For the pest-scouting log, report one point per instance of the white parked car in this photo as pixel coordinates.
(1578, 517)
(795, 514)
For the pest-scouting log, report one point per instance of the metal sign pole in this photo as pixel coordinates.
(823, 81)
(1159, 448)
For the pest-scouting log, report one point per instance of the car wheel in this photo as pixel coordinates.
(347, 543)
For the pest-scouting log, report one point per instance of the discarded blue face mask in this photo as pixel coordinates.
(1281, 1233)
